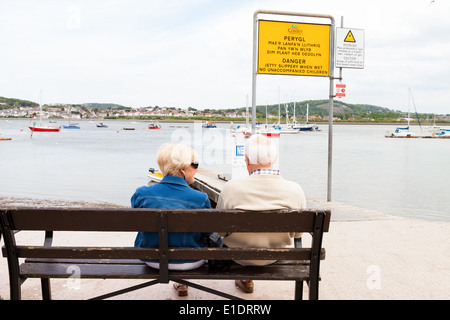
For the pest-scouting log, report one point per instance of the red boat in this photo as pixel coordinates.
(44, 129)
(271, 134)
(248, 133)
(154, 126)
(40, 127)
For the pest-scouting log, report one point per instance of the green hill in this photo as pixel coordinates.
(320, 108)
(7, 103)
(104, 106)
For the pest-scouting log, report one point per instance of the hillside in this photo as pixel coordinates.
(320, 108)
(104, 106)
(6, 103)
(317, 108)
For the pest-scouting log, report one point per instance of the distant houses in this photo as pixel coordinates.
(74, 112)
(81, 112)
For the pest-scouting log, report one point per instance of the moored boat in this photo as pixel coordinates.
(154, 176)
(305, 126)
(154, 125)
(405, 132)
(40, 127)
(43, 128)
(287, 130)
(209, 124)
(270, 133)
(71, 126)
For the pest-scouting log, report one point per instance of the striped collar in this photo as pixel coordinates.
(266, 171)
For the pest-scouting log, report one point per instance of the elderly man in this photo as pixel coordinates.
(263, 189)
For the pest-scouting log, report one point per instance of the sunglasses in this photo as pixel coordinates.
(194, 164)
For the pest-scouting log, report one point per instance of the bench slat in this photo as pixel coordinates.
(174, 253)
(128, 261)
(132, 271)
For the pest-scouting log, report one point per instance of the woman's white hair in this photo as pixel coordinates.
(260, 150)
(173, 157)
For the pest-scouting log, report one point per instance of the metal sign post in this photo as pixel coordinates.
(304, 51)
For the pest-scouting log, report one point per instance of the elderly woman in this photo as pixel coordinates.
(178, 163)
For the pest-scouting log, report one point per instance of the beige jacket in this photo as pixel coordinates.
(261, 192)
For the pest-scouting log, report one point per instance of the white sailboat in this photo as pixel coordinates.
(289, 129)
(305, 126)
(404, 132)
(246, 130)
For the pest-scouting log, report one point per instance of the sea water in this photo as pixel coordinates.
(400, 177)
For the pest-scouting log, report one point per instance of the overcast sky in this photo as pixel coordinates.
(198, 53)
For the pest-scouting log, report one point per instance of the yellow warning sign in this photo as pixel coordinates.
(349, 37)
(288, 48)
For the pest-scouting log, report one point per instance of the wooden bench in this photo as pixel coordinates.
(47, 261)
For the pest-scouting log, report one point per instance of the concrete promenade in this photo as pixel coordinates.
(369, 256)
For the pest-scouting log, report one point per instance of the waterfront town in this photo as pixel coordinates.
(92, 112)
(318, 112)
(82, 112)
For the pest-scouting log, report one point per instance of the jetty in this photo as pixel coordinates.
(369, 256)
(430, 136)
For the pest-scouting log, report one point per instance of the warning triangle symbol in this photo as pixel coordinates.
(349, 37)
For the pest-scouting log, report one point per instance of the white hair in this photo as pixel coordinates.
(260, 150)
(173, 157)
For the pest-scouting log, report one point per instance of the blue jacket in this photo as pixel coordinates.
(171, 193)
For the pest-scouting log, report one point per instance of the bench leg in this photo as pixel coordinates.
(15, 281)
(45, 287)
(314, 289)
(298, 290)
(14, 288)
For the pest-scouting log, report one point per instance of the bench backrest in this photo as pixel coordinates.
(163, 221)
(180, 220)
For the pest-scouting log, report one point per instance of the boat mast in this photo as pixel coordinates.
(266, 114)
(294, 122)
(307, 112)
(415, 109)
(40, 109)
(287, 118)
(246, 113)
(279, 102)
(409, 98)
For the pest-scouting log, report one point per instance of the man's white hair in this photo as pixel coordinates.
(260, 150)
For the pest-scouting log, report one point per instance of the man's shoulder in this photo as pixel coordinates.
(236, 182)
(282, 184)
